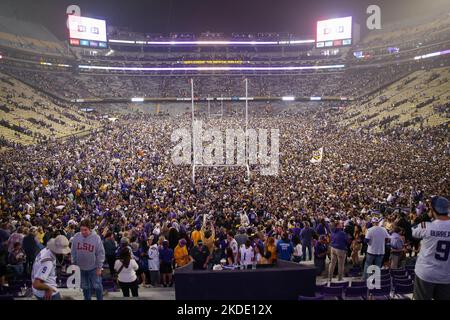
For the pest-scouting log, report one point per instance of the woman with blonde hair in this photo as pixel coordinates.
(356, 245)
(272, 248)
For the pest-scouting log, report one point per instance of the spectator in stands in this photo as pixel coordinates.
(16, 237)
(320, 254)
(376, 239)
(358, 238)
(339, 246)
(209, 237)
(397, 248)
(432, 280)
(126, 268)
(306, 235)
(200, 255)
(241, 237)
(31, 248)
(167, 259)
(271, 249)
(246, 255)
(181, 254)
(217, 255)
(298, 251)
(233, 245)
(43, 276)
(285, 248)
(196, 234)
(89, 254)
(153, 262)
(110, 246)
(16, 260)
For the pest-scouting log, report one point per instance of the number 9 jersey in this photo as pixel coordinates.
(433, 263)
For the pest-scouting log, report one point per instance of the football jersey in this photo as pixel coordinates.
(433, 263)
(247, 255)
(44, 268)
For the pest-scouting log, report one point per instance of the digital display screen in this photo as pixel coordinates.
(87, 32)
(334, 32)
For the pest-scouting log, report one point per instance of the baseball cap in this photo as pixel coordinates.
(199, 242)
(375, 220)
(59, 245)
(440, 205)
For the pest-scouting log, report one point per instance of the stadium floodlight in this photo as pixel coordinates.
(433, 54)
(212, 42)
(88, 67)
(122, 41)
(315, 98)
(215, 43)
(289, 98)
(137, 99)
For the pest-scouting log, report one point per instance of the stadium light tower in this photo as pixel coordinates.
(194, 156)
(193, 134)
(246, 130)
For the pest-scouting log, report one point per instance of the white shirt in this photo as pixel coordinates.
(377, 236)
(247, 255)
(234, 248)
(126, 274)
(298, 252)
(44, 268)
(153, 258)
(433, 263)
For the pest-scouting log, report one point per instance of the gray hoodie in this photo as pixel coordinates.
(88, 253)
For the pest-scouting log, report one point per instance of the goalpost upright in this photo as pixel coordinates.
(193, 134)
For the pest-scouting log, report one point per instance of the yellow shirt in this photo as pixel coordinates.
(195, 236)
(181, 256)
(40, 237)
(273, 253)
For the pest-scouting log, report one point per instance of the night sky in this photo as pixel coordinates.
(165, 16)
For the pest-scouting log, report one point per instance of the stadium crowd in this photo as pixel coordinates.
(121, 189)
(79, 86)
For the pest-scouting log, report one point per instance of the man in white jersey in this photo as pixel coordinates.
(246, 254)
(432, 270)
(43, 275)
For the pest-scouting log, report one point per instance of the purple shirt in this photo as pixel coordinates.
(339, 239)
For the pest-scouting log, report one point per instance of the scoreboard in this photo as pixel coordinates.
(87, 32)
(334, 32)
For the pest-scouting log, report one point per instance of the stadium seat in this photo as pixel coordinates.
(385, 272)
(403, 289)
(356, 292)
(316, 298)
(6, 297)
(319, 287)
(402, 282)
(343, 284)
(385, 282)
(361, 283)
(383, 293)
(335, 292)
(398, 272)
